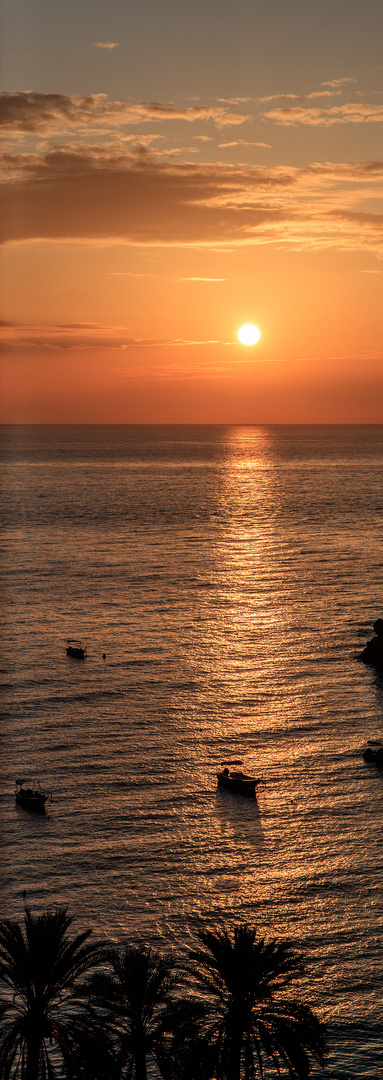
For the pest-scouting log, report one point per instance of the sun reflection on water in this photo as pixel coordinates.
(223, 576)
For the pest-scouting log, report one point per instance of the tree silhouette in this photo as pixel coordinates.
(249, 1017)
(75, 1010)
(137, 998)
(46, 1029)
(186, 1052)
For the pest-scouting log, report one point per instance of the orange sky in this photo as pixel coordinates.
(152, 204)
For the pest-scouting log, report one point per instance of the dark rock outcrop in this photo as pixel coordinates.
(373, 652)
(373, 753)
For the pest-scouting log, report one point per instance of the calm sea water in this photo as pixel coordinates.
(231, 575)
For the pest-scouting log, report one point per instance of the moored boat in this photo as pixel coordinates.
(238, 783)
(31, 798)
(76, 648)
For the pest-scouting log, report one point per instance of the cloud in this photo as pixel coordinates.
(350, 113)
(340, 82)
(359, 216)
(34, 113)
(335, 90)
(105, 44)
(300, 97)
(234, 100)
(243, 142)
(80, 336)
(98, 194)
(91, 194)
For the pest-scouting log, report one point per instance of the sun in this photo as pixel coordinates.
(248, 334)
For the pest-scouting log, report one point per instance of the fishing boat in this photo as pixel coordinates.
(373, 753)
(31, 798)
(238, 783)
(76, 648)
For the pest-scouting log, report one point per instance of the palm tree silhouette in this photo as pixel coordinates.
(137, 998)
(46, 1029)
(186, 1053)
(249, 1018)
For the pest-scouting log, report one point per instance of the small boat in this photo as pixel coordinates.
(76, 649)
(238, 782)
(31, 798)
(373, 753)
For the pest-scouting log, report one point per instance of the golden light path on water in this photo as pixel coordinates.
(221, 572)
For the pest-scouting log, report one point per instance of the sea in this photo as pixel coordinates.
(224, 580)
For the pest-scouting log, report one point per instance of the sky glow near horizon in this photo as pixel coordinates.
(171, 174)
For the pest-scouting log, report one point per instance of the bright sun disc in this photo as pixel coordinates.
(248, 334)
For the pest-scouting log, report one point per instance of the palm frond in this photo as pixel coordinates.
(41, 1010)
(244, 980)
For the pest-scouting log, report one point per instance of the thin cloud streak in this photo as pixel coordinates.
(340, 82)
(33, 113)
(243, 142)
(78, 336)
(300, 97)
(350, 113)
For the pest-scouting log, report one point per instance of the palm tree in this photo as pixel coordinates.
(186, 1053)
(137, 997)
(248, 1016)
(46, 1030)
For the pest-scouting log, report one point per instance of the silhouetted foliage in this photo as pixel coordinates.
(248, 1017)
(137, 999)
(186, 1053)
(75, 1010)
(46, 1030)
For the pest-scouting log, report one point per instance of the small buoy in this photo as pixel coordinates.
(104, 656)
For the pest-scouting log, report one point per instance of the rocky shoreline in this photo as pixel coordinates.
(373, 651)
